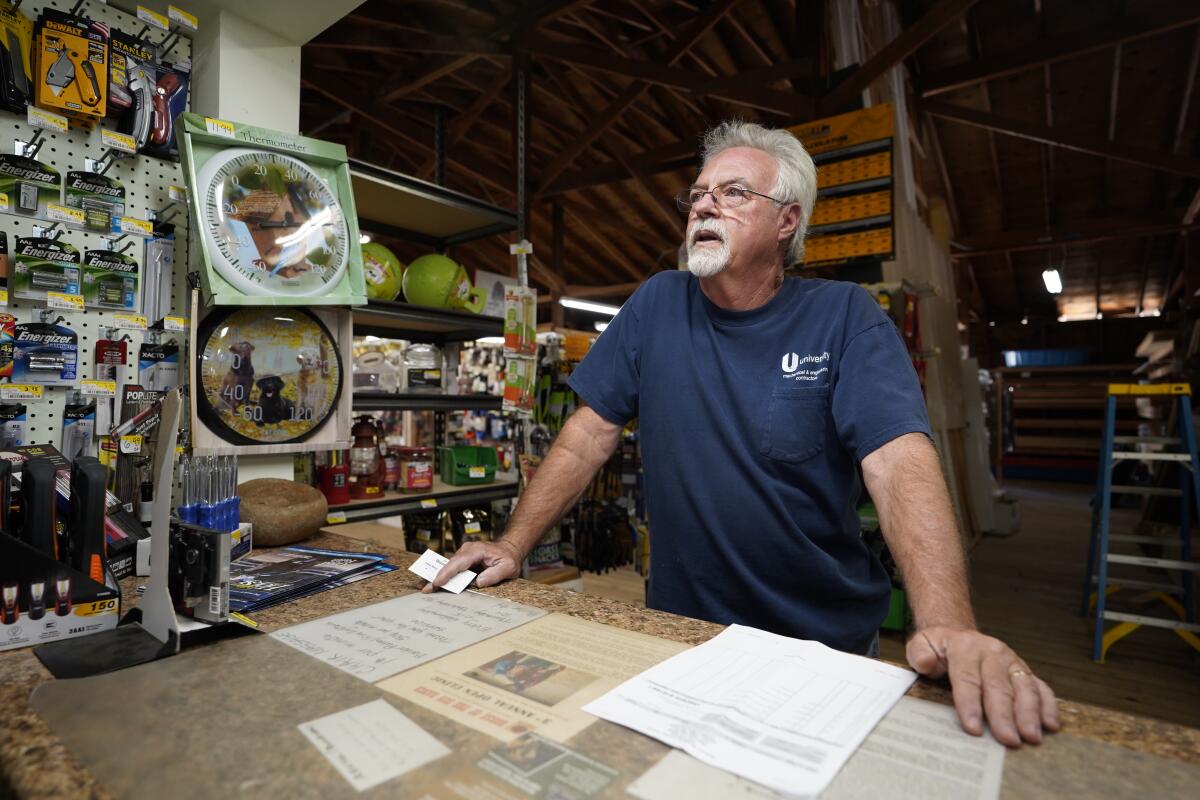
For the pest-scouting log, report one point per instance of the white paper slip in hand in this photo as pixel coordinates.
(430, 564)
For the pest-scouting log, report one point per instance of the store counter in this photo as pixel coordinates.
(1101, 752)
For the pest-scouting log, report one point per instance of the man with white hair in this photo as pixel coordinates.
(759, 399)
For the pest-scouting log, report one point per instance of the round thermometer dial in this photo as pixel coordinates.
(273, 226)
(266, 375)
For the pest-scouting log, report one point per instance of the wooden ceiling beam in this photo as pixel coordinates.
(1018, 242)
(743, 93)
(461, 125)
(910, 39)
(677, 155)
(1062, 48)
(698, 27)
(403, 82)
(368, 38)
(1151, 159)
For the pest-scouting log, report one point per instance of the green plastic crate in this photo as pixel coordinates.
(467, 466)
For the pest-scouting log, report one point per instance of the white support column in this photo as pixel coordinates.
(246, 68)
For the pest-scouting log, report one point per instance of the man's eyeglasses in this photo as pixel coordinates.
(728, 195)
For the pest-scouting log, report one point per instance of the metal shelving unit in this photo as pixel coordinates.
(386, 401)
(443, 496)
(415, 210)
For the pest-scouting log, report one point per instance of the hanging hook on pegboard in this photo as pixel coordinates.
(75, 9)
(106, 162)
(111, 333)
(48, 231)
(34, 144)
(45, 313)
(170, 40)
(158, 217)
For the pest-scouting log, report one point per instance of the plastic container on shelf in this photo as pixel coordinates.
(374, 373)
(416, 469)
(468, 466)
(424, 371)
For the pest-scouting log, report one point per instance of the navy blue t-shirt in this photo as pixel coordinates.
(752, 426)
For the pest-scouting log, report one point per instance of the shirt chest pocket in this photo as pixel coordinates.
(795, 423)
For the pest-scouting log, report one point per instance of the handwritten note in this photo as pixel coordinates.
(372, 743)
(381, 640)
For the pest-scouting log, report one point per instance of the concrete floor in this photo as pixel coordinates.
(1026, 589)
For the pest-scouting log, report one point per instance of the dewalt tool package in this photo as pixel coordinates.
(71, 65)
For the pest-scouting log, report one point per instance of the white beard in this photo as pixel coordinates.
(706, 261)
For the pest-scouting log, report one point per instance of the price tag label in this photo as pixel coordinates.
(57, 213)
(95, 388)
(472, 527)
(121, 142)
(37, 118)
(21, 391)
(138, 227)
(64, 302)
(477, 472)
(131, 443)
(219, 127)
(174, 323)
(4, 204)
(3, 297)
(521, 248)
(132, 322)
(177, 194)
(153, 18)
(429, 502)
(177, 14)
(335, 517)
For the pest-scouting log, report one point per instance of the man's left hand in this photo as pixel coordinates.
(988, 680)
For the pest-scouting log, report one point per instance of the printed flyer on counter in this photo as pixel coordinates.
(528, 766)
(534, 678)
(380, 640)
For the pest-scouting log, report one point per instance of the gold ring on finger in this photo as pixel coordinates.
(1017, 673)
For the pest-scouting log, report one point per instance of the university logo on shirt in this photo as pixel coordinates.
(804, 368)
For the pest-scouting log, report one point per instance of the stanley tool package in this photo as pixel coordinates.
(71, 73)
(16, 39)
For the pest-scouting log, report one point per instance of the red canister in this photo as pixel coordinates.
(416, 469)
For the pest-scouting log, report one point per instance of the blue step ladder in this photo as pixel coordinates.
(1176, 591)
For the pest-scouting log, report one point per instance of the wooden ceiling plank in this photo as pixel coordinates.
(1084, 144)
(910, 39)
(947, 183)
(699, 26)
(1049, 51)
(1144, 274)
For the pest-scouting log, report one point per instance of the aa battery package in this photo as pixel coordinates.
(44, 265)
(101, 199)
(8, 330)
(16, 41)
(12, 425)
(71, 67)
(45, 353)
(110, 280)
(27, 186)
(158, 366)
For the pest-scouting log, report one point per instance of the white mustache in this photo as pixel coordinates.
(708, 224)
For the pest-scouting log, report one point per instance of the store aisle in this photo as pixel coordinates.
(1027, 593)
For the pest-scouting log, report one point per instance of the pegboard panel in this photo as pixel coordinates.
(146, 180)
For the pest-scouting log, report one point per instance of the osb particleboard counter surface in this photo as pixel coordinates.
(1094, 741)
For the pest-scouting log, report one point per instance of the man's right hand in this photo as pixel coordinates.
(501, 561)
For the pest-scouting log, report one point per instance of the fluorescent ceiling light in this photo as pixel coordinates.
(586, 305)
(490, 340)
(1052, 280)
(364, 238)
(600, 326)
